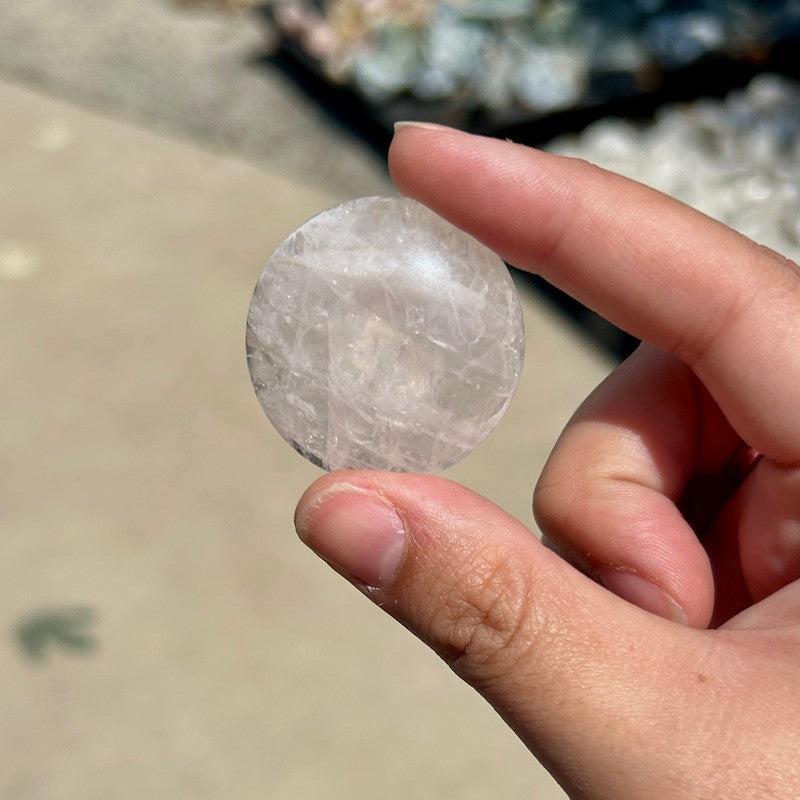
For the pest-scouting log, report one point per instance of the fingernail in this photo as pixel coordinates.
(356, 531)
(430, 126)
(643, 593)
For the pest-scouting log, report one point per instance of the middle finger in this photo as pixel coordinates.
(608, 497)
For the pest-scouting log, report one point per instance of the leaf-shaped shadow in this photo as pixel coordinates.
(67, 628)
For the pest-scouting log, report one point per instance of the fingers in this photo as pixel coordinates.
(779, 611)
(607, 496)
(662, 271)
(769, 529)
(579, 674)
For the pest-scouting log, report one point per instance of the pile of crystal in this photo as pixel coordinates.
(380, 336)
(738, 160)
(525, 55)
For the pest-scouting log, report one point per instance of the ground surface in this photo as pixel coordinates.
(162, 632)
(197, 73)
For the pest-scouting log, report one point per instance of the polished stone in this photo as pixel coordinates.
(380, 336)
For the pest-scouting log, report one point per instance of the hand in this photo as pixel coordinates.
(676, 487)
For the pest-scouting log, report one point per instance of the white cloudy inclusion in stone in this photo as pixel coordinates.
(380, 336)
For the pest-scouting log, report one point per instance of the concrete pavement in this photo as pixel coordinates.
(145, 503)
(194, 72)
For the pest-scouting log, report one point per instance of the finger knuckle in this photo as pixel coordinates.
(693, 344)
(771, 290)
(486, 624)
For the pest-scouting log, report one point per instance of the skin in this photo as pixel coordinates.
(653, 648)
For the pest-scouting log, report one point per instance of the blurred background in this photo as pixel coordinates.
(162, 631)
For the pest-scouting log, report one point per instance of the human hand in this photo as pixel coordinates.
(675, 486)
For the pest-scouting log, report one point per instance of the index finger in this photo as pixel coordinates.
(653, 266)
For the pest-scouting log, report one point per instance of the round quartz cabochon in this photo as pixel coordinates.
(380, 336)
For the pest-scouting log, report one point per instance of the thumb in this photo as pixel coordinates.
(581, 676)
